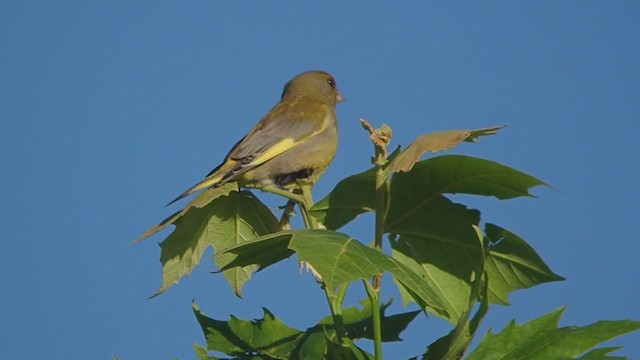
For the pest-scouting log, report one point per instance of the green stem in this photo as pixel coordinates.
(373, 288)
(380, 207)
(284, 193)
(374, 298)
(305, 201)
(335, 305)
(305, 206)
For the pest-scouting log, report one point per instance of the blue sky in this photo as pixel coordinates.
(109, 110)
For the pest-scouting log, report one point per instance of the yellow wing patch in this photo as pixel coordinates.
(275, 150)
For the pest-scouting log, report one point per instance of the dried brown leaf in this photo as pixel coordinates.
(437, 141)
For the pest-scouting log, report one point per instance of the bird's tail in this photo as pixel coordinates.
(209, 181)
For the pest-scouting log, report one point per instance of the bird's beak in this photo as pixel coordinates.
(339, 97)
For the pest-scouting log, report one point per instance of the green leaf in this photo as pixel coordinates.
(267, 337)
(512, 264)
(340, 259)
(453, 345)
(200, 201)
(337, 258)
(202, 353)
(262, 252)
(351, 197)
(601, 354)
(313, 345)
(355, 352)
(437, 241)
(437, 141)
(270, 337)
(226, 221)
(542, 339)
(452, 174)
(358, 322)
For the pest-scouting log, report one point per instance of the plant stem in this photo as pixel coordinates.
(373, 290)
(305, 201)
(335, 305)
(380, 138)
(380, 210)
(335, 302)
(284, 193)
(374, 298)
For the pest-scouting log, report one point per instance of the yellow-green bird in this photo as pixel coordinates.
(295, 141)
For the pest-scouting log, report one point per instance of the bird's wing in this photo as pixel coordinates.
(282, 129)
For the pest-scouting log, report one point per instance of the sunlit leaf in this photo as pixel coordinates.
(337, 258)
(513, 264)
(224, 222)
(262, 252)
(202, 353)
(602, 354)
(449, 174)
(351, 197)
(453, 345)
(542, 339)
(457, 174)
(313, 345)
(201, 200)
(436, 240)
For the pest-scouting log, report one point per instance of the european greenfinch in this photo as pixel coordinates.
(294, 142)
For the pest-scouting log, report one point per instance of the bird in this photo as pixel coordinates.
(294, 142)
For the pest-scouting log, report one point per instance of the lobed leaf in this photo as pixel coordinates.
(542, 339)
(267, 337)
(226, 221)
(436, 240)
(453, 174)
(512, 264)
(358, 322)
(351, 197)
(337, 258)
(449, 174)
(261, 252)
(453, 345)
(200, 201)
(202, 353)
(346, 351)
(270, 338)
(601, 354)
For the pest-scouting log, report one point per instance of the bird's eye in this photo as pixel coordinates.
(331, 82)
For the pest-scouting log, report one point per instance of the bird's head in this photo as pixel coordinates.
(316, 84)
